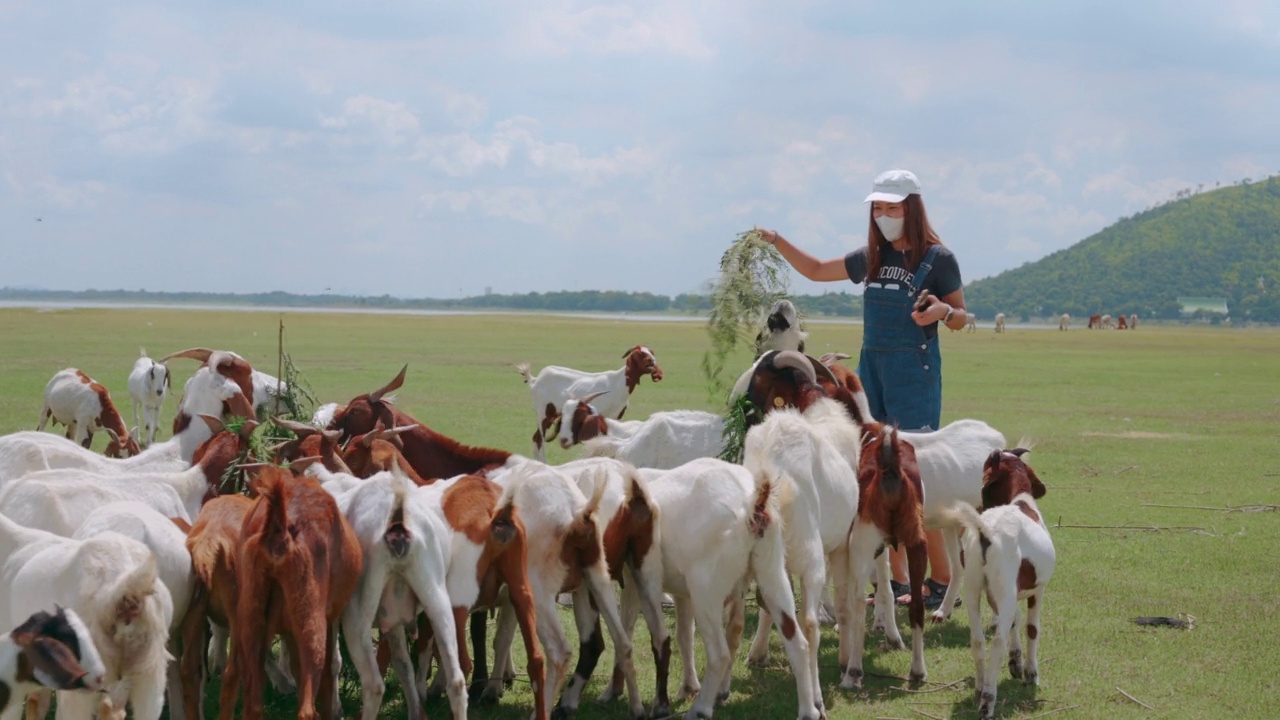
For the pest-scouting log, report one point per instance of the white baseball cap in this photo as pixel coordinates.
(894, 186)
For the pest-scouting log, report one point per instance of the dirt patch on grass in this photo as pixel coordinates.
(1141, 435)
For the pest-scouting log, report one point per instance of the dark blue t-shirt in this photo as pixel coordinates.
(943, 280)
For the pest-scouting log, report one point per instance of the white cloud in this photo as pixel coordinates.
(392, 121)
(617, 29)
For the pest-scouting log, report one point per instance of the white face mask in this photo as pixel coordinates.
(890, 226)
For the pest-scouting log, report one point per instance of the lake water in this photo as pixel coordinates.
(50, 305)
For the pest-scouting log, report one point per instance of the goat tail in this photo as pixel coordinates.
(762, 510)
(597, 493)
(503, 526)
(523, 369)
(637, 502)
(397, 537)
(962, 513)
(275, 532)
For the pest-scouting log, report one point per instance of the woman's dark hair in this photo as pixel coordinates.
(915, 228)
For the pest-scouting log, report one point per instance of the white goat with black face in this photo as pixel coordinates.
(782, 330)
(148, 386)
(54, 651)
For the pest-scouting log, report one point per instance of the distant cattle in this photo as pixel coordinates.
(999, 322)
(1095, 321)
(970, 321)
(1133, 321)
(1121, 322)
(1064, 322)
(1107, 323)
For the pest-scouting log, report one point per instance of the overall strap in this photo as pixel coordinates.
(922, 271)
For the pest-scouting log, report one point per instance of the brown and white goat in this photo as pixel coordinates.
(222, 386)
(298, 564)
(555, 384)
(76, 400)
(379, 451)
(1009, 556)
(55, 651)
(447, 547)
(310, 441)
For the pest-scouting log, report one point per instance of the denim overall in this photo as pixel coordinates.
(900, 366)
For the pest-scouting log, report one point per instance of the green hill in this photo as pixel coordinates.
(1217, 244)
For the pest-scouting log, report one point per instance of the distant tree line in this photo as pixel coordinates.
(841, 304)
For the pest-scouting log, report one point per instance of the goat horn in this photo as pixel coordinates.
(302, 463)
(196, 353)
(797, 361)
(332, 435)
(831, 357)
(299, 429)
(395, 384)
(248, 427)
(587, 400)
(112, 434)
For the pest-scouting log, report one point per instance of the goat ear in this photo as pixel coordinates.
(54, 665)
(215, 424)
(300, 465)
(395, 384)
(247, 429)
(1037, 488)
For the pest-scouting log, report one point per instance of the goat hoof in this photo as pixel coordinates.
(562, 712)
(916, 678)
(987, 706)
(661, 711)
(690, 691)
(758, 662)
(940, 617)
(1031, 678)
(721, 698)
(1015, 668)
(852, 680)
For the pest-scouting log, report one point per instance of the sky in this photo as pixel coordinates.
(442, 149)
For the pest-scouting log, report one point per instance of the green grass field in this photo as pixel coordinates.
(1144, 438)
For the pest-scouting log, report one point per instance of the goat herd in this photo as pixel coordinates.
(126, 577)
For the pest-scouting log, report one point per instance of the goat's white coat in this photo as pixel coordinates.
(993, 573)
(554, 384)
(549, 502)
(30, 451)
(92, 577)
(708, 555)
(71, 401)
(148, 386)
(60, 506)
(168, 543)
(811, 458)
(664, 441)
(391, 589)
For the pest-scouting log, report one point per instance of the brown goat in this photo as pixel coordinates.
(297, 566)
(310, 442)
(379, 450)
(431, 454)
(890, 512)
(212, 542)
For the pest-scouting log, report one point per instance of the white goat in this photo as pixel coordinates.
(1010, 557)
(555, 384)
(719, 528)
(168, 543)
(111, 581)
(76, 400)
(59, 500)
(782, 330)
(148, 385)
(810, 457)
(566, 544)
(664, 440)
(47, 651)
(224, 382)
(407, 552)
(30, 451)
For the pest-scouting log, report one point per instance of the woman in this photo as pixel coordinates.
(904, 264)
